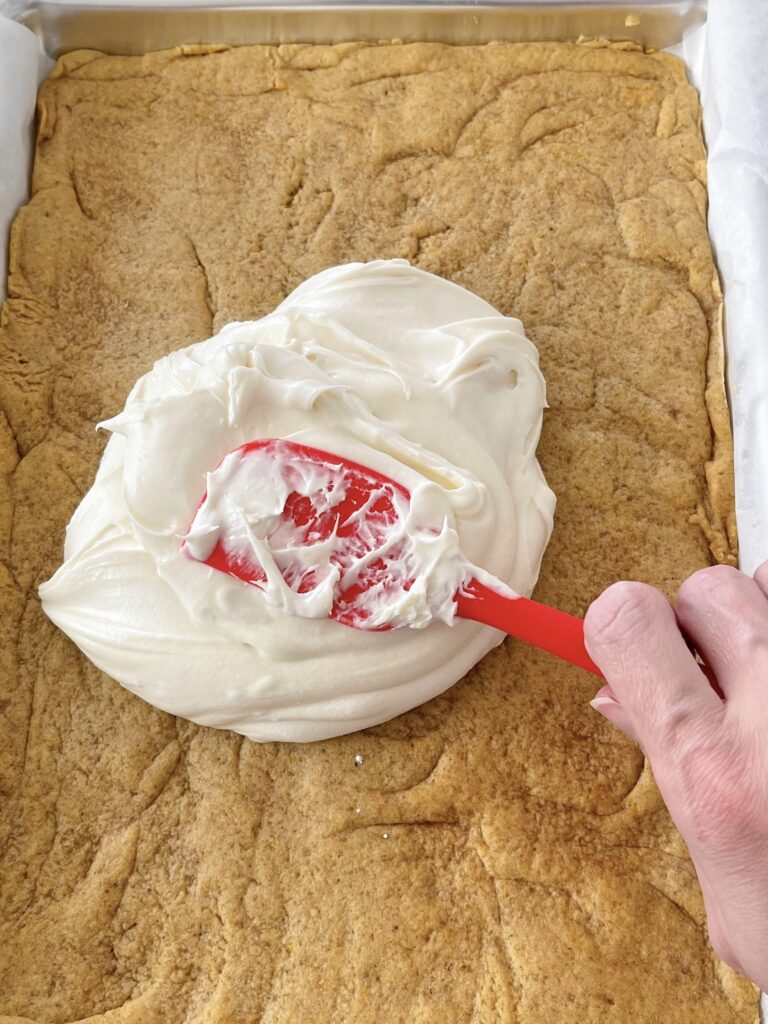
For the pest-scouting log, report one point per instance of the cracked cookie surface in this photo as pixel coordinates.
(156, 871)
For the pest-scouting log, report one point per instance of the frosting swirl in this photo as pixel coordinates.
(380, 363)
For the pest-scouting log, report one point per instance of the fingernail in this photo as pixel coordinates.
(603, 702)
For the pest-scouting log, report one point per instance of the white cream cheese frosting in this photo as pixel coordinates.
(379, 363)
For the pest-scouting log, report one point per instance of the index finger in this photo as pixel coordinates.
(725, 613)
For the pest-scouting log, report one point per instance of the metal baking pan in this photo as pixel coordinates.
(134, 28)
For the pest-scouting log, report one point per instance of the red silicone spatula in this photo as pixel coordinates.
(368, 506)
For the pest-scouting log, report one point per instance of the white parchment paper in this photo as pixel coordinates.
(728, 60)
(734, 91)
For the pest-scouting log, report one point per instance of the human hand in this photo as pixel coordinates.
(709, 755)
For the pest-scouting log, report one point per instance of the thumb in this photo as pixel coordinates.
(631, 633)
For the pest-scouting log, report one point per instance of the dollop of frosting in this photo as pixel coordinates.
(380, 363)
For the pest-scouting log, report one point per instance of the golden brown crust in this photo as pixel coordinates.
(156, 871)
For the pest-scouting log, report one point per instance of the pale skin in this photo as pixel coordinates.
(709, 754)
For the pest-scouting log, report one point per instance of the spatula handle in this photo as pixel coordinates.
(547, 628)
